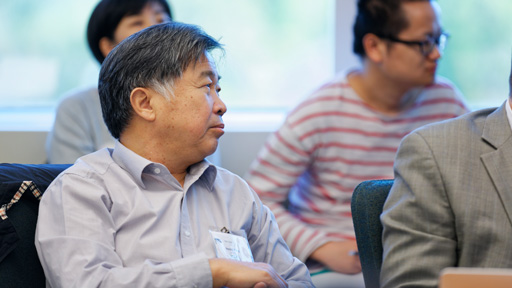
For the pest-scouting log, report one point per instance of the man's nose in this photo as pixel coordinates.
(219, 106)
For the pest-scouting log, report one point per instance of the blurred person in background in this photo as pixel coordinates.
(349, 130)
(79, 128)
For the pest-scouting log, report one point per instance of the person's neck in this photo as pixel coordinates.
(151, 150)
(378, 91)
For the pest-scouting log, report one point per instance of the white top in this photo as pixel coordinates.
(78, 129)
(115, 219)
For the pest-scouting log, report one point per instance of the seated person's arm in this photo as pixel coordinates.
(339, 256)
(229, 273)
(418, 235)
(278, 168)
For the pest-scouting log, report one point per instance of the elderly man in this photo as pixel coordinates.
(349, 130)
(451, 202)
(152, 212)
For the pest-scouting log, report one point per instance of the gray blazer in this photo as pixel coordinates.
(451, 202)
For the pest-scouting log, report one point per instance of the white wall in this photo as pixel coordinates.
(25, 147)
(238, 149)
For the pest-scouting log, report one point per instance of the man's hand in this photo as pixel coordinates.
(338, 257)
(233, 274)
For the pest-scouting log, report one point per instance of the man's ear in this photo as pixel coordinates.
(106, 45)
(142, 100)
(374, 47)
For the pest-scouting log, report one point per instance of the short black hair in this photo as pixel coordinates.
(152, 58)
(383, 18)
(107, 15)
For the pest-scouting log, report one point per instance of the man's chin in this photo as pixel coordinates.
(211, 149)
(428, 81)
(431, 79)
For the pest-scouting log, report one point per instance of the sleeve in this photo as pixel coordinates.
(268, 246)
(277, 169)
(75, 241)
(70, 137)
(418, 225)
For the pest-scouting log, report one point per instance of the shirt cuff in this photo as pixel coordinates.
(193, 271)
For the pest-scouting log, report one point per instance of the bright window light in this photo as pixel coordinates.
(277, 52)
(478, 54)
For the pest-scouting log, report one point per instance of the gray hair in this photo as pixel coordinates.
(152, 58)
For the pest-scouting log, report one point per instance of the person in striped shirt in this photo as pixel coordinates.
(349, 130)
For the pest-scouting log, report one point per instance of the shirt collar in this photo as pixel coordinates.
(204, 170)
(130, 161)
(136, 165)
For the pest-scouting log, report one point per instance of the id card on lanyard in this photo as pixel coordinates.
(231, 246)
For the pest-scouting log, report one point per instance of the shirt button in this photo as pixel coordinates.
(157, 170)
(187, 233)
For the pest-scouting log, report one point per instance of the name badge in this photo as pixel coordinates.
(232, 246)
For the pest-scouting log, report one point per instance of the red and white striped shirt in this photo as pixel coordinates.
(329, 144)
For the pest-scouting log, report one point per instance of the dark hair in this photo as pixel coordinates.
(380, 17)
(107, 15)
(152, 58)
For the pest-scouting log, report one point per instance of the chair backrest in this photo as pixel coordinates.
(367, 202)
(19, 263)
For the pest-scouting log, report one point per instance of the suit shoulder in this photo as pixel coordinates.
(473, 121)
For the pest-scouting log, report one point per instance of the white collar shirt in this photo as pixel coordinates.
(116, 219)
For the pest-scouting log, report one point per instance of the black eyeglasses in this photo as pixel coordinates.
(427, 46)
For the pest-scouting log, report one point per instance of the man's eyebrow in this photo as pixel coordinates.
(209, 73)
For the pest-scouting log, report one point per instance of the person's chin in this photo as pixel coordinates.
(428, 80)
(211, 147)
(431, 76)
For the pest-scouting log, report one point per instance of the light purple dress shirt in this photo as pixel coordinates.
(116, 219)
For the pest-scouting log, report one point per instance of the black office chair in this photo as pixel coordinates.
(367, 202)
(19, 263)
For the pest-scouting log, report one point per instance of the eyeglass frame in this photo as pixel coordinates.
(439, 42)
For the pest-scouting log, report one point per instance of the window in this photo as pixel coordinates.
(43, 51)
(276, 52)
(478, 54)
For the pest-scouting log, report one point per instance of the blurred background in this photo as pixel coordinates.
(277, 53)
